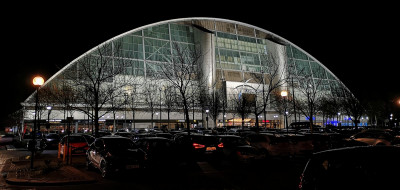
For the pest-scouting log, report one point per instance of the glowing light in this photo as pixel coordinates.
(284, 93)
(38, 81)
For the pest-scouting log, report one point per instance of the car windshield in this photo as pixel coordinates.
(342, 171)
(234, 141)
(29, 136)
(205, 139)
(119, 143)
(76, 139)
(52, 136)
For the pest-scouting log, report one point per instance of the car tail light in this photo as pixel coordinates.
(221, 145)
(301, 181)
(196, 145)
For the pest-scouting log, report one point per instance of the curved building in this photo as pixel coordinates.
(233, 54)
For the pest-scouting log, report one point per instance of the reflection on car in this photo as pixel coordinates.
(361, 167)
(125, 134)
(7, 139)
(160, 151)
(40, 142)
(281, 145)
(78, 144)
(237, 149)
(52, 140)
(199, 147)
(111, 154)
(371, 137)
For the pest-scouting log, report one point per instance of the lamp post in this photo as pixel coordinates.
(284, 95)
(37, 82)
(125, 102)
(207, 117)
(338, 114)
(48, 118)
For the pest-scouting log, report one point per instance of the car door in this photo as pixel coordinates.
(96, 151)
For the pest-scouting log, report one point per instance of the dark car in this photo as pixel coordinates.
(125, 134)
(52, 140)
(237, 149)
(89, 138)
(303, 125)
(199, 147)
(371, 137)
(40, 142)
(8, 139)
(279, 145)
(362, 167)
(111, 154)
(160, 151)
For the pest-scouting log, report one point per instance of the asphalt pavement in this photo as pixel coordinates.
(51, 173)
(48, 170)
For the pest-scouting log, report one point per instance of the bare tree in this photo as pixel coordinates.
(242, 104)
(150, 96)
(96, 77)
(169, 100)
(60, 94)
(132, 98)
(352, 106)
(214, 105)
(311, 93)
(183, 74)
(281, 104)
(270, 79)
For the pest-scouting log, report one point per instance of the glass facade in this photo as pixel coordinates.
(238, 49)
(301, 64)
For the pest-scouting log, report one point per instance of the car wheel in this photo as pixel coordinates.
(104, 170)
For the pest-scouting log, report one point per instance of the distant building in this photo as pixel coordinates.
(233, 54)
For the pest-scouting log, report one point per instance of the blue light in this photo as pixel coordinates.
(307, 118)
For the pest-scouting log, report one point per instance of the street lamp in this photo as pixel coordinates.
(125, 102)
(284, 95)
(37, 82)
(48, 118)
(207, 117)
(338, 114)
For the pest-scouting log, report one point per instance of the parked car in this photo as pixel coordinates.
(125, 134)
(361, 167)
(8, 139)
(303, 125)
(78, 144)
(371, 137)
(111, 154)
(52, 140)
(237, 149)
(89, 138)
(165, 135)
(160, 151)
(279, 145)
(40, 142)
(198, 147)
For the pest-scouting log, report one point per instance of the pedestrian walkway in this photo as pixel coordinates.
(47, 170)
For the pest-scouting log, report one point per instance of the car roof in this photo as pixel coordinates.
(113, 137)
(358, 151)
(153, 138)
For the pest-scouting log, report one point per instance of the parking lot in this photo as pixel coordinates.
(280, 169)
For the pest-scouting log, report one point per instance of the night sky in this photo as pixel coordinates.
(358, 43)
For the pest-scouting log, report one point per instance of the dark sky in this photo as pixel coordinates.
(358, 43)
